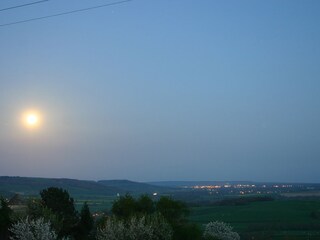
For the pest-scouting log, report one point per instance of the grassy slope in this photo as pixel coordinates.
(277, 216)
(32, 186)
(134, 187)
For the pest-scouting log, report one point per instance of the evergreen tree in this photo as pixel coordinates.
(124, 207)
(5, 221)
(58, 200)
(145, 205)
(86, 222)
(60, 203)
(174, 211)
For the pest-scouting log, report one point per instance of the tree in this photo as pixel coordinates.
(124, 207)
(33, 230)
(174, 211)
(5, 220)
(219, 231)
(36, 210)
(85, 224)
(60, 203)
(152, 227)
(160, 226)
(58, 200)
(113, 229)
(145, 205)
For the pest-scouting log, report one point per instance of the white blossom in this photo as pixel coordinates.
(32, 230)
(136, 228)
(113, 230)
(219, 231)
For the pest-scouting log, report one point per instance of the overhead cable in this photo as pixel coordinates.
(23, 5)
(65, 13)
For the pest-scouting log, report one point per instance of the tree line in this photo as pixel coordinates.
(53, 217)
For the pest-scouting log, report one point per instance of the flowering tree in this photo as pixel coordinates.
(219, 231)
(152, 227)
(113, 230)
(160, 227)
(32, 230)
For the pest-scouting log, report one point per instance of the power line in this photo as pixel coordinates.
(65, 13)
(23, 5)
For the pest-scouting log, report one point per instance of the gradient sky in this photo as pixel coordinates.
(163, 90)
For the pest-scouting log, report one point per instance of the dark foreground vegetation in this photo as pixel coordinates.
(158, 217)
(54, 216)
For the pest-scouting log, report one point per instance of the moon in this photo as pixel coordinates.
(31, 119)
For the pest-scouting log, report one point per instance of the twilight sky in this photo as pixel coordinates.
(162, 90)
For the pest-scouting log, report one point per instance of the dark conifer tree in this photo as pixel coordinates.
(86, 222)
(60, 203)
(5, 220)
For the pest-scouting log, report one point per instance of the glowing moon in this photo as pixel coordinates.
(31, 119)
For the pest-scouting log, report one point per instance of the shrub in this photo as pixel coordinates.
(113, 230)
(32, 230)
(219, 231)
(152, 227)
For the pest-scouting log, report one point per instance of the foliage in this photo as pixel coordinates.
(145, 205)
(61, 204)
(152, 227)
(114, 229)
(32, 230)
(160, 227)
(85, 225)
(5, 220)
(36, 209)
(124, 207)
(58, 200)
(187, 231)
(219, 231)
(172, 210)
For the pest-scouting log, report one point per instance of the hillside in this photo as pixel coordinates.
(32, 186)
(77, 188)
(134, 187)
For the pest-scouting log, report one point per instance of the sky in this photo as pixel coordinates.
(152, 90)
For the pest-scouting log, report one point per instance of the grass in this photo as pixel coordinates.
(96, 204)
(290, 218)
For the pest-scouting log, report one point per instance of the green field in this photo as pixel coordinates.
(96, 204)
(265, 220)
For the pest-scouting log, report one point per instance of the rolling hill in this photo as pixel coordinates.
(134, 187)
(32, 186)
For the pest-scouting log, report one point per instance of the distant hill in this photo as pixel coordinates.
(32, 186)
(134, 187)
(77, 188)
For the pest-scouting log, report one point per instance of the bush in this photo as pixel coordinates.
(187, 231)
(152, 227)
(219, 231)
(124, 207)
(32, 230)
(113, 230)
